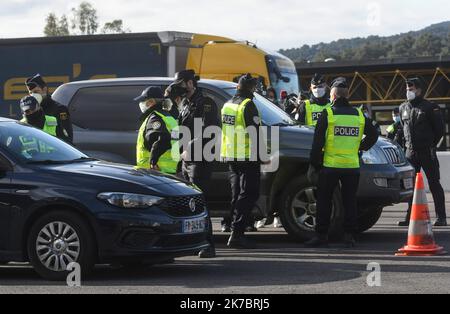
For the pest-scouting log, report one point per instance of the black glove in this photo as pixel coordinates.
(313, 175)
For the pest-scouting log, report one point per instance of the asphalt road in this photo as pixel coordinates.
(279, 266)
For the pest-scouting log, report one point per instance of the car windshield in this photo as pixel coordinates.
(283, 74)
(30, 145)
(271, 115)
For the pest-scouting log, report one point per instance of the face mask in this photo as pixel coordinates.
(319, 92)
(167, 104)
(410, 95)
(38, 97)
(396, 119)
(143, 106)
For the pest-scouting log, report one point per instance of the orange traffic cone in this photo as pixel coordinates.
(420, 236)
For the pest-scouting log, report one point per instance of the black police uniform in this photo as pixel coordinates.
(424, 128)
(397, 134)
(196, 170)
(330, 177)
(245, 176)
(52, 108)
(157, 136)
(61, 113)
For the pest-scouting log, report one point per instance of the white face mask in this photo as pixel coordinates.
(319, 92)
(38, 97)
(143, 106)
(410, 95)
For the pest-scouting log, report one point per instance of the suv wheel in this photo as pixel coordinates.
(368, 217)
(299, 208)
(58, 239)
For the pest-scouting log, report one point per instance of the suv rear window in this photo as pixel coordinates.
(107, 108)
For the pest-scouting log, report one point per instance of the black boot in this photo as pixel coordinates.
(208, 253)
(239, 241)
(441, 222)
(318, 241)
(349, 241)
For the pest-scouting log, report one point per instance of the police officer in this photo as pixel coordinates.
(155, 142)
(37, 85)
(367, 111)
(271, 95)
(240, 150)
(395, 130)
(310, 110)
(200, 110)
(174, 95)
(35, 116)
(424, 129)
(337, 142)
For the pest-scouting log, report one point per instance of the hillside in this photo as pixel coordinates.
(428, 42)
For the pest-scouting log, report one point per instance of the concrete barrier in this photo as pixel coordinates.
(444, 160)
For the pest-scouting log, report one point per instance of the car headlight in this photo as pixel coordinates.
(372, 157)
(128, 200)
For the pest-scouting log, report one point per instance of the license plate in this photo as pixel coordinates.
(408, 183)
(194, 225)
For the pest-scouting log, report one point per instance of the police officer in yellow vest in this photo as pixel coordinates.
(157, 143)
(241, 151)
(310, 110)
(35, 116)
(337, 142)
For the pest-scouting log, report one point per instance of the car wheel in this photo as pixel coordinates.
(299, 208)
(368, 217)
(58, 239)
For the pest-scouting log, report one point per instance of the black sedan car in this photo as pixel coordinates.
(58, 206)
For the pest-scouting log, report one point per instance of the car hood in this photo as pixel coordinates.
(126, 175)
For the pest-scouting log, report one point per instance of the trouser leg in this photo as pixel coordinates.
(248, 193)
(350, 182)
(328, 181)
(432, 171)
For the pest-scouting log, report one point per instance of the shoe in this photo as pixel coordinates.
(277, 223)
(317, 242)
(226, 229)
(441, 223)
(251, 229)
(403, 223)
(240, 242)
(208, 253)
(349, 241)
(261, 224)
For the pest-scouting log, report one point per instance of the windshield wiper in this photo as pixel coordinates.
(82, 159)
(282, 124)
(46, 162)
(56, 162)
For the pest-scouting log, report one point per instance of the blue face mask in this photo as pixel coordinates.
(397, 119)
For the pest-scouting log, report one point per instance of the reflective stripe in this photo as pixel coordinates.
(420, 227)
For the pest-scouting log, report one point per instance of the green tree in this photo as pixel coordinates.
(85, 19)
(404, 47)
(63, 26)
(51, 25)
(114, 27)
(428, 45)
(55, 26)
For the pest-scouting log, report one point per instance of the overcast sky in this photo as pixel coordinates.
(273, 24)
